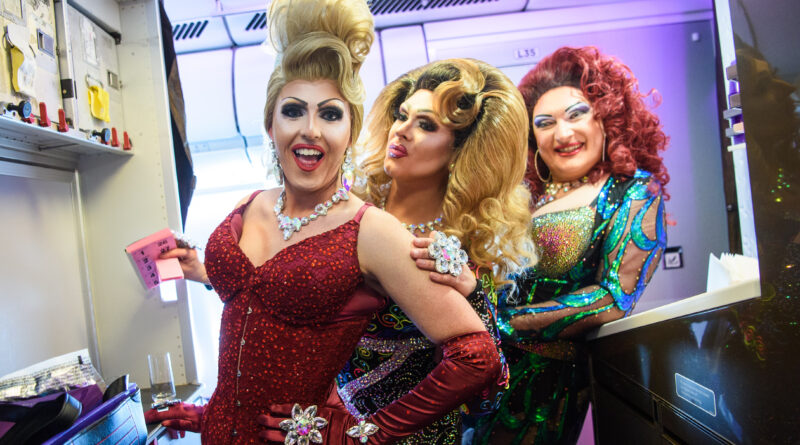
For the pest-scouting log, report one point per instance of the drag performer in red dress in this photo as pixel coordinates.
(295, 265)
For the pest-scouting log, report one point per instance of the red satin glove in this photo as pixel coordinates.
(470, 363)
(181, 417)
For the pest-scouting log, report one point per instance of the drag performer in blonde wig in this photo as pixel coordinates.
(294, 265)
(438, 136)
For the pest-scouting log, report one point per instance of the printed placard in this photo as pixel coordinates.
(696, 394)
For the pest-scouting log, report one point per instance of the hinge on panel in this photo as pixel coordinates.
(68, 88)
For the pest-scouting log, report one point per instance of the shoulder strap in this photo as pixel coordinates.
(252, 196)
(361, 211)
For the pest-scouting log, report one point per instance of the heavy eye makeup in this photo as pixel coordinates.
(399, 115)
(578, 110)
(543, 121)
(331, 113)
(428, 124)
(293, 109)
(424, 122)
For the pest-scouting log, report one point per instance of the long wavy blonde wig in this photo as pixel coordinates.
(486, 204)
(320, 39)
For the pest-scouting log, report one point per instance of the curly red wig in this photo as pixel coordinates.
(633, 133)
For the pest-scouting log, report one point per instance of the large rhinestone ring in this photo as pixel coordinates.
(450, 257)
(362, 431)
(303, 428)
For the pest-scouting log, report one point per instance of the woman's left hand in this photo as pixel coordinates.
(464, 283)
(337, 423)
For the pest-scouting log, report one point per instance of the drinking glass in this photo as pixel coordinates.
(162, 385)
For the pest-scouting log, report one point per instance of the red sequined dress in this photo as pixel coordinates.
(287, 326)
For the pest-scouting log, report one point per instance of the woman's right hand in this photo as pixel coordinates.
(193, 268)
(180, 417)
(464, 283)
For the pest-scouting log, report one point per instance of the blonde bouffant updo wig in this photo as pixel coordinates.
(320, 39)
(486, 204)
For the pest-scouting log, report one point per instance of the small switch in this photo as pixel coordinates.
(114, 139)
(44, 121)
(126, 141)
(62, 121)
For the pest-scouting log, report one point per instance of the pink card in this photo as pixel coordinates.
(144, 256)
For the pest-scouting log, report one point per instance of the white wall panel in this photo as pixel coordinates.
(46, 311)
(373, 76)
(403, 50)
(206, 79)
(252, 66)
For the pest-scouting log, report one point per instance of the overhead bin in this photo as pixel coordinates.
(390, 13)
(553, 4)
(206, 79)
(233, 6)
(249, 28)
(201, 34)
(185, 10)
(558, 22)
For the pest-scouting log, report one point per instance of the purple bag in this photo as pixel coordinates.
(55, 412)
(119, 420)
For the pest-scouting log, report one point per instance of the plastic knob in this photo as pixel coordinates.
(23, 109)
(44, 121)
(114, 139)
(104, 135)
(62, 121)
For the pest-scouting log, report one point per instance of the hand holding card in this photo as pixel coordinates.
(144, 255)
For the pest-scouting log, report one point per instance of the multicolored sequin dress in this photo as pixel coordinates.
(595, 261)
(394, 356)
(285, 328)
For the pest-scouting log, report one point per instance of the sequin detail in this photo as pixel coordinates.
(398, 352)
(394, 356)
(278, 341)
(561, 238)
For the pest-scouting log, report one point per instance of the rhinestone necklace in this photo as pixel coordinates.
(553, 188)
(430, 225)
(291, 225)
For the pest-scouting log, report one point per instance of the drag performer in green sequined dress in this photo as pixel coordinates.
(599, 228)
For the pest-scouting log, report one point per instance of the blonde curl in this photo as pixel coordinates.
(486, 204)
(320, 39)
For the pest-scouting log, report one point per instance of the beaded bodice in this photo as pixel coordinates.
(280, 339)
(594, 260)
(561, 239)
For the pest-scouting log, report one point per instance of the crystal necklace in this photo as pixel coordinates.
(291, 225)
(430, 225)
(551, 189)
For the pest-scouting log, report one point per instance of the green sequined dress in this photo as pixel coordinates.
(594, 263)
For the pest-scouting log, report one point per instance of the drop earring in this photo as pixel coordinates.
(277, 170)
(348, 170)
